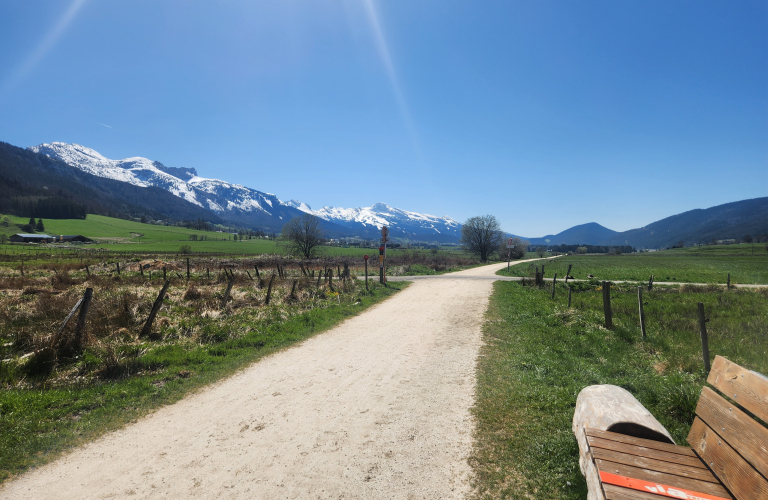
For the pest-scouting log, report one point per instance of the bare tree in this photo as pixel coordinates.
(303, 235)
(481, 235)
(541, 251)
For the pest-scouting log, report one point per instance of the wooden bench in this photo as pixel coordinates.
(728, 458)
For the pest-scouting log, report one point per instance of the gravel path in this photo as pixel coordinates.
(378, 407)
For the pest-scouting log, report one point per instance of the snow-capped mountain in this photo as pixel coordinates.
(216, 195)
(247, 206)
(401, 223)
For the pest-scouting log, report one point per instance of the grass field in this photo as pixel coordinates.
(62, 397)
(119, 235)
(538, 355)
(683, 267)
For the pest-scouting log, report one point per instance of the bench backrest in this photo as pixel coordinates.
(731, 436)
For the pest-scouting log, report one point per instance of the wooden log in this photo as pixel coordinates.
(147, 329)
(610, 408)
(554, 280)
(55, 338)
(80, 327)
(642, 312)
(704, 339)
(607, 304)
(226, 293)
(269, 290)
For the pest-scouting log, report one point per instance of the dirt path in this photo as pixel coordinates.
(377, 407)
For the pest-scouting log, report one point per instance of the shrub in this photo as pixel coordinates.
(185, 249)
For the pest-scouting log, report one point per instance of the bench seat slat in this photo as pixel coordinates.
(740, 430)
(655, 465)
(747, 388)
(613, 492)
(647, 443)
(660, 477)
(732, 470)
(641, 451)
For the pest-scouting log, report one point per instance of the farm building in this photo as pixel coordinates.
(31, 238)
(72, 238)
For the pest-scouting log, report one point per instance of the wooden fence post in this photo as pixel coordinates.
(55, 338)
(269, 290)
(141, 269)
(319, 277)
(187, 268)
(569, 297)
(80, 327)
(118, 268)
(642, 312)
(607, 304)
(568, 273)
(704, 339)
(22, 265)
(258, 275)
(727, 287)
(226, 293)
(650, 283)
(293, 289)
(164, 273)
(88, 271)
(208, 272)
(155, 307)
(366, 274)
(554, 280)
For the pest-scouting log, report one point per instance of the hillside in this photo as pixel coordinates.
(26, 177)
(731, 220)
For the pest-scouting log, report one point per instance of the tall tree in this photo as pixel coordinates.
(481, 235)
(303, 235)
(40, 226)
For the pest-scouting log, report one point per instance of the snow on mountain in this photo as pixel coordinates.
(237, 202)
(402, 222)
(214, 194)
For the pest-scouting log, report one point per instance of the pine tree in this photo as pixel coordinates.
(32, 221)
(40, 226)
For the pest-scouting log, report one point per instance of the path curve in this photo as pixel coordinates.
(377, 407)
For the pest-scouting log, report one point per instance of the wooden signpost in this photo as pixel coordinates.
(365, 257)
(383, 254)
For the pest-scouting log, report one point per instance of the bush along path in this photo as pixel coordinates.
(538, 354)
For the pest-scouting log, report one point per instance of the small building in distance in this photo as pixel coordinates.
(44, 238)
(72, 238)
(31, 238)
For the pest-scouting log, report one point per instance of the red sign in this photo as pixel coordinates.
(365, 257)
(384, 231)
(381, 249)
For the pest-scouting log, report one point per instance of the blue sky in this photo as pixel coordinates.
(545, 114)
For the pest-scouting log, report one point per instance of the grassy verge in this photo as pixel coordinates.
(118, 378)
(538, 355)
(683, 267)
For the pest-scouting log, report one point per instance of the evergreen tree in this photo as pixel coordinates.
(32, 221)
(40, 226)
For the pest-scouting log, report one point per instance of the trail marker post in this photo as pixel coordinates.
(509, 252)
(383, 254)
